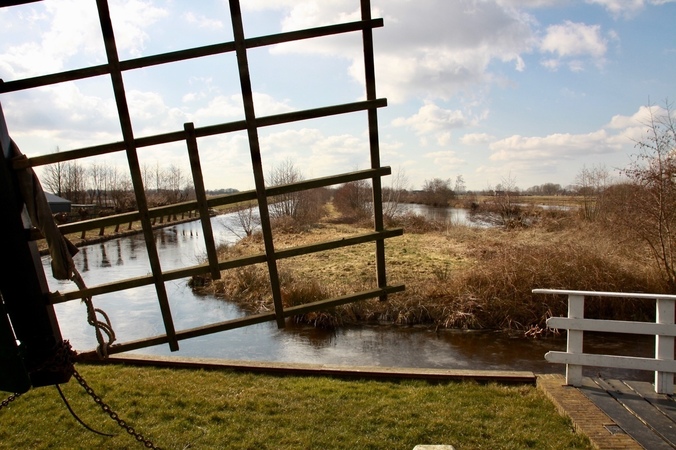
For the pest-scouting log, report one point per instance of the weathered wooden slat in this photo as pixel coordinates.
(644, 410)
(371, 372)
(249, 320)
(374, 145)
(220, 200)
(339, 243)
(212, 130)
(200, 269)
(201, 195)
(617, 362)
(664, 403)
(598, 392)
(134, 166)
(182, 55)
(262, 194)
(169, 275)
(611, 326)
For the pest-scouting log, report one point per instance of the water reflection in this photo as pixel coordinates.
(458, 216)
(135, 314)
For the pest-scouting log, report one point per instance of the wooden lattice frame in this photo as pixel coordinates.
(130, 145)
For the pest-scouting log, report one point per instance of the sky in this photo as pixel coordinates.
(497, 91)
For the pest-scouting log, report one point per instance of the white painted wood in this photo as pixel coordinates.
(575, 339)
(664, 330)
(616, 362)
(664, 347)
(604, 294)
(612, 326)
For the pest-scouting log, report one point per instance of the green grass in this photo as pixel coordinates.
(197, 409)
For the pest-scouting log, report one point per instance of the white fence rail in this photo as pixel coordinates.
(574, 358)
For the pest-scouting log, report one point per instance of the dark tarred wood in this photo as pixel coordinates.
(22, 280)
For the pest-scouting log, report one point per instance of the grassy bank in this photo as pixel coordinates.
(456, 276)
(179, 409)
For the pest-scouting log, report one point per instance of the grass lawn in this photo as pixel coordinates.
(199, 409)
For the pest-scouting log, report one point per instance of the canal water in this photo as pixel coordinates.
(135, 314)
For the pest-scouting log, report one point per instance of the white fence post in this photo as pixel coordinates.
(664, 346)
(575, 339)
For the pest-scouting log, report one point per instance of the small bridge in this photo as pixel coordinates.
(616, 413)
(576, 324)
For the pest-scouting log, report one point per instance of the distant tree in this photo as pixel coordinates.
(460, 187)
(304, 207)
(503, 208)
(591, 187)
(551, 189)
(437, 192)
(53, 177)
(74, 186)
(394, 195)
(354, 199)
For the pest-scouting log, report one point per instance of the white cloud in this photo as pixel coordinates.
(203, 21)
(570, 41)
(553, 146)
(430, 49)
(73, 119)
(129, 18)
(314, 153)
(445, 160)
(627, 8)
(476, 139)
(430, 119)
(66, 34)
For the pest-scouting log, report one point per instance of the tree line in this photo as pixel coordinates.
(107, 186)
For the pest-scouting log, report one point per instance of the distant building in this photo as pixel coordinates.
(57, 204)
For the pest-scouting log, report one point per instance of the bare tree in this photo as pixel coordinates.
(304, 207)
(53, 177)
(174, 184)
(393, 195)
(74, 182)
(96, 177)
(591, 186)
(460, 187)
(650, 211)
(354, 199)
(247, 220)
(285, 205)
(503, 208)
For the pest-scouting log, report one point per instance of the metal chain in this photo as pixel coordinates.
(113, 415)
(9, 400)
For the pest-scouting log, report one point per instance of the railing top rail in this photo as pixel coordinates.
(605, 294)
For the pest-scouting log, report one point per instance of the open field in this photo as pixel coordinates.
(197, 409)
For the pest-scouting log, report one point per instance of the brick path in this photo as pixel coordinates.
(587, 418)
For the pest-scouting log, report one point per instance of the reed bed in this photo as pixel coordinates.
(456, 276)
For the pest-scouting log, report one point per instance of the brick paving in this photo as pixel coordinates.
(587, 418)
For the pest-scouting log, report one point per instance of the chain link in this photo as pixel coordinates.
(9, 400)
(113, 415)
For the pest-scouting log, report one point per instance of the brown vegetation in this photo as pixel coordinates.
(455, 276)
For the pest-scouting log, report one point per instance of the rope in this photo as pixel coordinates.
(60, 249)
(101, 327)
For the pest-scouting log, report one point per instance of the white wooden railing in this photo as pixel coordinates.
(574, 358)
